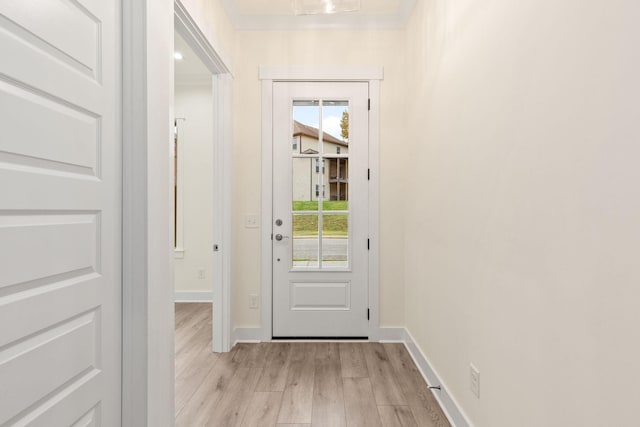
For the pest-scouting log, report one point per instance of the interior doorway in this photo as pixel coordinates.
(193, 176)
(202, 191)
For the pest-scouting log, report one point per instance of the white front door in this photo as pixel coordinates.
(320, 209)
(60, 209)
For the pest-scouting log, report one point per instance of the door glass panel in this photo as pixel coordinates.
(305, 241)
(320, 183)
(335, 240)
(306, 116)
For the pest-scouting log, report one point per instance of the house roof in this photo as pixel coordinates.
(300, 129)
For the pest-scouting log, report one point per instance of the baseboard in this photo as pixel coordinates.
(193, 296)
(448, 404)
(391, 334)
(245, 335)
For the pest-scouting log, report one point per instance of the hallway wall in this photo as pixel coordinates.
(277, 48)
(194, 102)
(522, 221)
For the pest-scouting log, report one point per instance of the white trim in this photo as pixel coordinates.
(222, 230)
(347, 21)
(178, 253)
(266, 270)
(374, 210)
(135, 322)
(252, 335)
(321, 74)
(269, 74)
(449, 405)
(193, 296)
(391, 334)
(202, 46)
(221, 82)
(147, 267)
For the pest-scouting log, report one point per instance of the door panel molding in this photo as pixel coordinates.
(269, 75)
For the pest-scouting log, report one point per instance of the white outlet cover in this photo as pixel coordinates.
(251, 221)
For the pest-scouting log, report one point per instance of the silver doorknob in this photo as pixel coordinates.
(279, 237)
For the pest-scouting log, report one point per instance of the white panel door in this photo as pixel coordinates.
(320, 209)
(60, 210)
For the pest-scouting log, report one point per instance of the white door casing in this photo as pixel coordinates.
(316, 299)
(60, 213)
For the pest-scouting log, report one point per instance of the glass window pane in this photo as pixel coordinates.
(335, 124)
(305, 183)
(337, 178)
(306, 117)
(305, 241)
(335, 240)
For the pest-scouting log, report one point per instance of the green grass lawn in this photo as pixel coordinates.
(334, 205)
(334, 225)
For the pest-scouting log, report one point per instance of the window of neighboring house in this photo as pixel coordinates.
(294, 143)
(337, 150)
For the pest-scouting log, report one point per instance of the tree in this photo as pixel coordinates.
(344, 125)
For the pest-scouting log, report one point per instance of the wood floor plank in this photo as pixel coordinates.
(352, 360)
(253, 354)
(424, 406)
(189, 379)
(305, 384)
(328, 395)
(274, 374)
(396, 416)
(297, 399)
(263, 409)
(231, 408)
(201, 321)
(184, 356)
(385, 388)
(360, 404)
(198, 409)
(182, 311)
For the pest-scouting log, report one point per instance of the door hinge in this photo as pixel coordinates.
(368, 174)
(367, 314)
(367, 244)
(369, 104)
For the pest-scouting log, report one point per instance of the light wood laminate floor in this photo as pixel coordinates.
(319, 384)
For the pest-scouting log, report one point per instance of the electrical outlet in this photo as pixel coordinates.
(474, 378)
(253, 301)
(251, 221)
(201, 273)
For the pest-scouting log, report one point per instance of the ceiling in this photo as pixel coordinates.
(279, 15)
(189, 68)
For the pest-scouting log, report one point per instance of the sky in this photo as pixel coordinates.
(330, 121)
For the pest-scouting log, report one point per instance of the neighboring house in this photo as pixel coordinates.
(306, 171)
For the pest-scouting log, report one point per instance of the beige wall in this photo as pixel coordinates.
(523, 231)
(195, 103)
(256, 48)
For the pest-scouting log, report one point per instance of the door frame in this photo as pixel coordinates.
(221, 80)
(268, 75)
(147, 269)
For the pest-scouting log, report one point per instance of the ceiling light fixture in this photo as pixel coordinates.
(178, 56)
(316, 7)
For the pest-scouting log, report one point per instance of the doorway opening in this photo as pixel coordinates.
(330, 231)
(202, 185)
